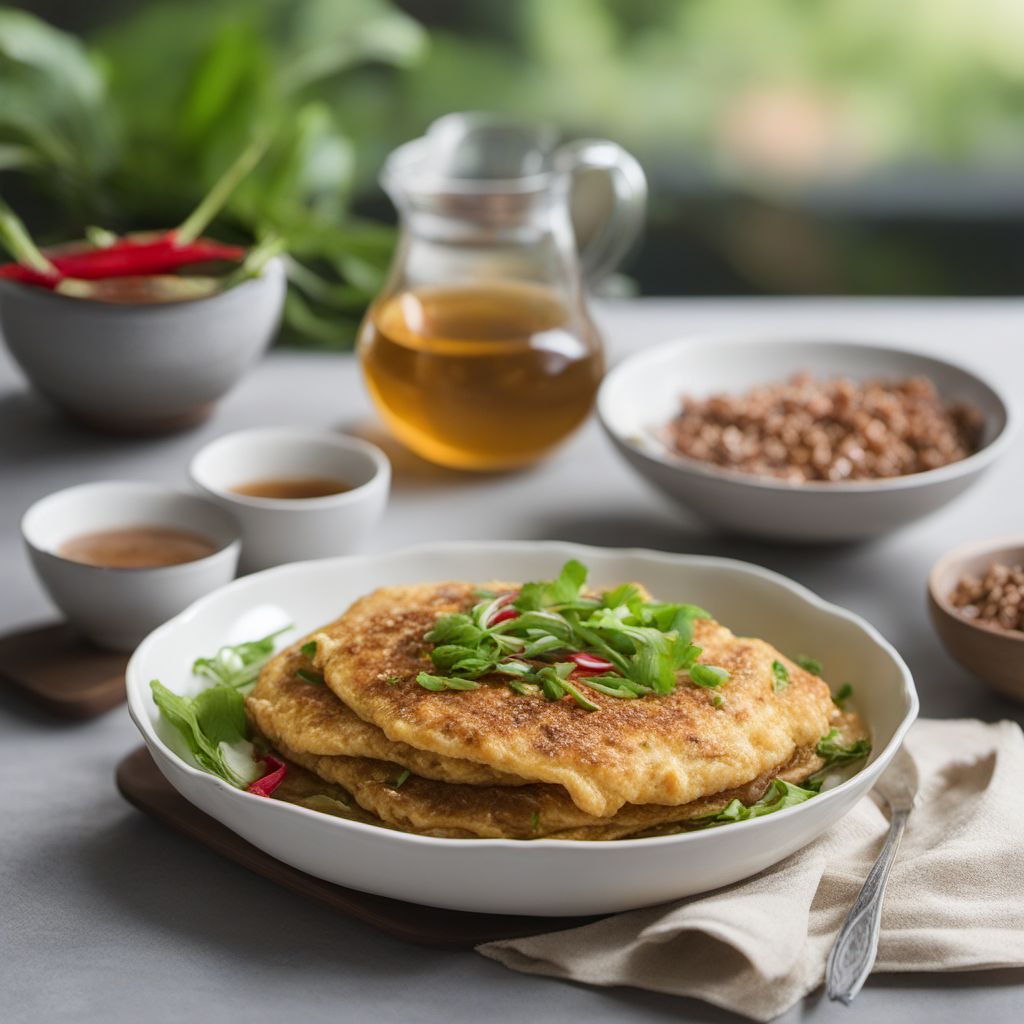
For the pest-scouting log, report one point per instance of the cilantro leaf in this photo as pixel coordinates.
(842, 695)
(564, 590)
(646, 644)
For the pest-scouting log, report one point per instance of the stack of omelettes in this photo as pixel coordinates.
(363, 739)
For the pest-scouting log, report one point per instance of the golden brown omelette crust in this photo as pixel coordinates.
(502, 812)
(667, 750)
(310, 719)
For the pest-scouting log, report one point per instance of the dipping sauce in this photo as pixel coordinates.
(292, 487)
(137, 547)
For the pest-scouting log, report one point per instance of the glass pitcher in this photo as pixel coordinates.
(479, 352)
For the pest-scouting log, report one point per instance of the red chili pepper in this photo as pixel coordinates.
(125, 258)
(266, 785)
(590, 664)
(503, 616)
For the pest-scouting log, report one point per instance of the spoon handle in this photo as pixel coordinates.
(853, 955)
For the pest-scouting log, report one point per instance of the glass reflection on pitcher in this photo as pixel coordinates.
(480, 352)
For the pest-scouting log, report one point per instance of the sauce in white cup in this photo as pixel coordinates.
(279, 530)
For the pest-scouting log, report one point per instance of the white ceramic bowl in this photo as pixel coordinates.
(276, 530)
(140, 368)
(643, 393)
(117, 607)
(544, 876)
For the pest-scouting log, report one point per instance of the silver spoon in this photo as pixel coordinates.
(853, 954)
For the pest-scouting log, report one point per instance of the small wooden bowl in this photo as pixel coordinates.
(994, 655)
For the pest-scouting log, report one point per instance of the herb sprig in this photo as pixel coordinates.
(782, 794)
(238, 665)
(213, 724)
(534, 641)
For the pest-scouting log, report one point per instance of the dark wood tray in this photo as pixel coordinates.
(142, 785)
(56, 668)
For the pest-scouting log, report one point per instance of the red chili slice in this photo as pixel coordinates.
(590, 664)
(503, 616)
(269, 782)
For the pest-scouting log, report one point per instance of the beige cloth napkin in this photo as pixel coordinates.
(955, 899)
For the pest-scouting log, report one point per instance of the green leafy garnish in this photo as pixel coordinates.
(535, 820)
(308, 649)
(402, 776)
(210, 724)
(780, 676)
(238, 665)
(648, 645)
(811, 665)
(213, 724)
(836, 754)
(563, 590)
(392, 680)
(708, 675)
(842, 695)
(316, 678)
(780, 795)
(437, 683)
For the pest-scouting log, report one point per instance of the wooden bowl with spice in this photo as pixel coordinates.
(976, 599)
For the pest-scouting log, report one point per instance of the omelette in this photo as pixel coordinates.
(667, 750)
(400, 786)
(309, 719)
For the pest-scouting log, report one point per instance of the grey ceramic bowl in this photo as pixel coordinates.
(993, 655)
(140, 368)
(643, 393)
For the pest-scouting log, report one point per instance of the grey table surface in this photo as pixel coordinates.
(107, 916)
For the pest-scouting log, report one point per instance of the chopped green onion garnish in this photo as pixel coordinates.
(708, 675)
(780, 676)
(842, 695)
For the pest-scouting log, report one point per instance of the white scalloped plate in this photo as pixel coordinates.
(543, 876)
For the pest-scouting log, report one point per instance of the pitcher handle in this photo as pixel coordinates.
(609, 246)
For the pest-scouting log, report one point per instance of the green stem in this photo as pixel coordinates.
(256, 259)
(16, 239)
(199, 219)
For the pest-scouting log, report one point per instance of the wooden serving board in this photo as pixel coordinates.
(55, 667)
(143, 786)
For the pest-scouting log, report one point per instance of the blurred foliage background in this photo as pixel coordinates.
(793, 146)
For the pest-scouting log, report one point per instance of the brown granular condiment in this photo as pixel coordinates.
(828, 430)
(994, 599)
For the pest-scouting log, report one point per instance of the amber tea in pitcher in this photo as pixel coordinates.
(480, 354)
(480, 376)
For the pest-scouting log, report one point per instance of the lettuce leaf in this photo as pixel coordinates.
(780, 795)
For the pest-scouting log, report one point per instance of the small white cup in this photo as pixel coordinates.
(280, 530)
(116, 608)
